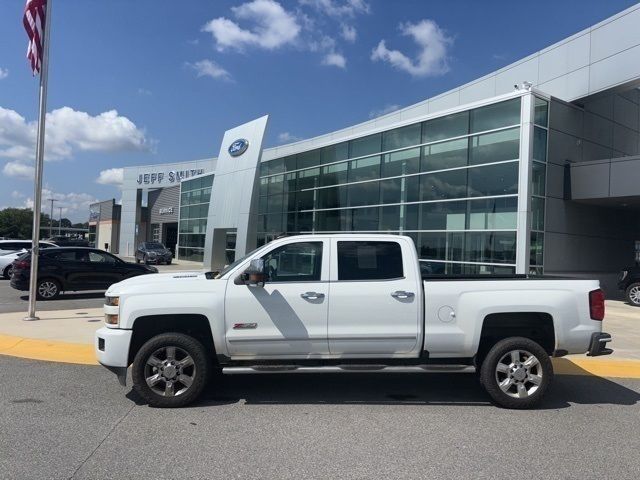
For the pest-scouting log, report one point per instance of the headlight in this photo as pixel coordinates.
(112, 301)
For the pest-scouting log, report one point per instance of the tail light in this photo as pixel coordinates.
(21, 265)
(596, 304)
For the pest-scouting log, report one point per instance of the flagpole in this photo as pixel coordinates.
(37, 189)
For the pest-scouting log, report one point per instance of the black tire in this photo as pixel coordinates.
(137, 260)
(490, 377)
(199, 373)
(48, 285)
(6, 273)
(145, 260)
(633, 294)
(168, 262)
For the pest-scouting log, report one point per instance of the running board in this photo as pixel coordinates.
(350, 369)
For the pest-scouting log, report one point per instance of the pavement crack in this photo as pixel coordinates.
(115, 425)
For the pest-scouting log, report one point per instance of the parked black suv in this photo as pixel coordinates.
(63, 241)
(153, 252)
(629, 282)
(73, 269)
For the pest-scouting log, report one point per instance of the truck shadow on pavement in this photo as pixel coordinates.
(70, 296)
(400, 389)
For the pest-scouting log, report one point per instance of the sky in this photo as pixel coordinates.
(154, 81)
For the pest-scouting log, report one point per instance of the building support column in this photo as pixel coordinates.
(523, 238)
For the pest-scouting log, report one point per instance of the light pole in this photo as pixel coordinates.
(51, 217)
(60, 223)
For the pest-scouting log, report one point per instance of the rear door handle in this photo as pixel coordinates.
(312, 295)
(402, 294)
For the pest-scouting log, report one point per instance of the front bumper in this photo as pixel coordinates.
(597, 345)
(112, 350)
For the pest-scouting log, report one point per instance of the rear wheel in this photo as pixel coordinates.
(633, 294)
(6, 273)
(47, 289)
(516, 373)
(171, 370)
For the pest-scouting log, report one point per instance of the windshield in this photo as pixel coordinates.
(154, 246)
(228, 268)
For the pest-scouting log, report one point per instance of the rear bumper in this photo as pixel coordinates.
(597, 345)
(19, 283)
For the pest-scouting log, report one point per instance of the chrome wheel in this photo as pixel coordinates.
(169, 371)
(519, 373)
(47, 289)
(634, 294)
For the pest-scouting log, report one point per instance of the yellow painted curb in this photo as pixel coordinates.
(605, 367)
(49, 350)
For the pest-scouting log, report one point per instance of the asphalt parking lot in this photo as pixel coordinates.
(70, 421)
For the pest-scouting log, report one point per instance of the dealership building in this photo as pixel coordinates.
(534, 168)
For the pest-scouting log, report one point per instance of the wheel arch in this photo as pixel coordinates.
(148, 326)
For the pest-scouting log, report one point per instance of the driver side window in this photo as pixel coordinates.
(296, 262)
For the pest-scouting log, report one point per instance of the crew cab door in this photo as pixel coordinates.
(375, 303)
(288, 316)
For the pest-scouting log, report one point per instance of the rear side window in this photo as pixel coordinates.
(369, 260)
(66, 256)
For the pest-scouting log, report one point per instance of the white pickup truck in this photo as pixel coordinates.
(344, 303)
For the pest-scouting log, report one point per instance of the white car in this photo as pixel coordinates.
(7, 257)
(345, 303)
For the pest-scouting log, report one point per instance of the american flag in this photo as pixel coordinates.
(34, 22)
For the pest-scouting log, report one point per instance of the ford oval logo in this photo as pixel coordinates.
(238, 147)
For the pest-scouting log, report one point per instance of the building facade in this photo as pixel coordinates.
(534, 168)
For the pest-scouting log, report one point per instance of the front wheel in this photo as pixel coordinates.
(47, 289)
(516, 373)
(171, 370)
(633, 294)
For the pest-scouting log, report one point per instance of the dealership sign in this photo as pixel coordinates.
(165, 211)
(172, 176)
(238, 147)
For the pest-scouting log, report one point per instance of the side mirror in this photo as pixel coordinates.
(254, 275)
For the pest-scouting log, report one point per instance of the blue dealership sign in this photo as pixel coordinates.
(238, 147)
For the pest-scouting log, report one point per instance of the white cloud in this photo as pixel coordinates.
(111, 176)
(271, 27)
(338, 9)
(68, 131)
(73, 204)
(334, 59)
(4, 73)
(18, 170)
(17, 194)
(208, 68)
(348, 32)
(286, 137)
(383, 111)
(432, 58)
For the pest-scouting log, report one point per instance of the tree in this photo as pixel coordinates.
(17, 223)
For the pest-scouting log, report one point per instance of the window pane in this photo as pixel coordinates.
(446, 127)
(443, 216)
(296, 262)
(501, 179)
(365, 146)
(333, 220)
(493, 214)
(537, 213)
(275, 203)
(537, 245)
(541, 112)
(335, 197)
(290, 163)
(275, 166)
(390, 190)
(334, 174)
(411, 191)
(365, 218)
(308, 178)
(452, 184)
(304, 221)
(304, 200)
(290, 182)
(401, 163)
(444, 155)
(309, 159)
(497, 115)
(401, 137)
(538, 178)
(390, 218)
(539, 144)
(364, 169)
(494, 147)
(493, 247)
(441, 246)
(276, 184)
(335, 153)
(364, 194)
(411, 216)
(369, 260)
(274, 223)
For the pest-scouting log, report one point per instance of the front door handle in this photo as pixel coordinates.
(312, 295)
(402, 294)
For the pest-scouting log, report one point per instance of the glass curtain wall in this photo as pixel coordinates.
(195, 195)
(538, 184)
(450, 183)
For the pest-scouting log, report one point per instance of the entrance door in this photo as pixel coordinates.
(170, 236)
(375, 302)
(288, 316)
